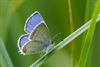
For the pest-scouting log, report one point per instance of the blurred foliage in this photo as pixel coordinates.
(13, 14)
(4, 58)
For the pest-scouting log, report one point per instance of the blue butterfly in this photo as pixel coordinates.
(37, 38)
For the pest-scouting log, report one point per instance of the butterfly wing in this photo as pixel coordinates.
(36, 27)
(33, 47)
(41, 33)
(23, 39)
(32, 22)
(27, 46)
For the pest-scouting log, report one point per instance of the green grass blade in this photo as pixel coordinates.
(88, 39)
(63, 43)
(4, 57)
(89, 9)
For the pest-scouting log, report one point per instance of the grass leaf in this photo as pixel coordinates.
(4, 57)
(88, 39)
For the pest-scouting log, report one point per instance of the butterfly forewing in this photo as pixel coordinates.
(41, 33)
(32, 22)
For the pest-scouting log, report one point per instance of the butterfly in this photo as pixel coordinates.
(37, 38)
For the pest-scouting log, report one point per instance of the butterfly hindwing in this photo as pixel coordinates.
(34, 47)
(22, 40)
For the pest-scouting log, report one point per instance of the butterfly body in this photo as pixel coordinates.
(37, 39)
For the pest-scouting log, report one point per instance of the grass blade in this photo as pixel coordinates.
(63, 43)
(4, 57)
(88, 39)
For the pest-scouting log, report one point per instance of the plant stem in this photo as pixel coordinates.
(72, 44)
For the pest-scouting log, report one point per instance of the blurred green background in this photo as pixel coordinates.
(13, 14)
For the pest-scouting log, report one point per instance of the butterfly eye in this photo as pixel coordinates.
(51, 42)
